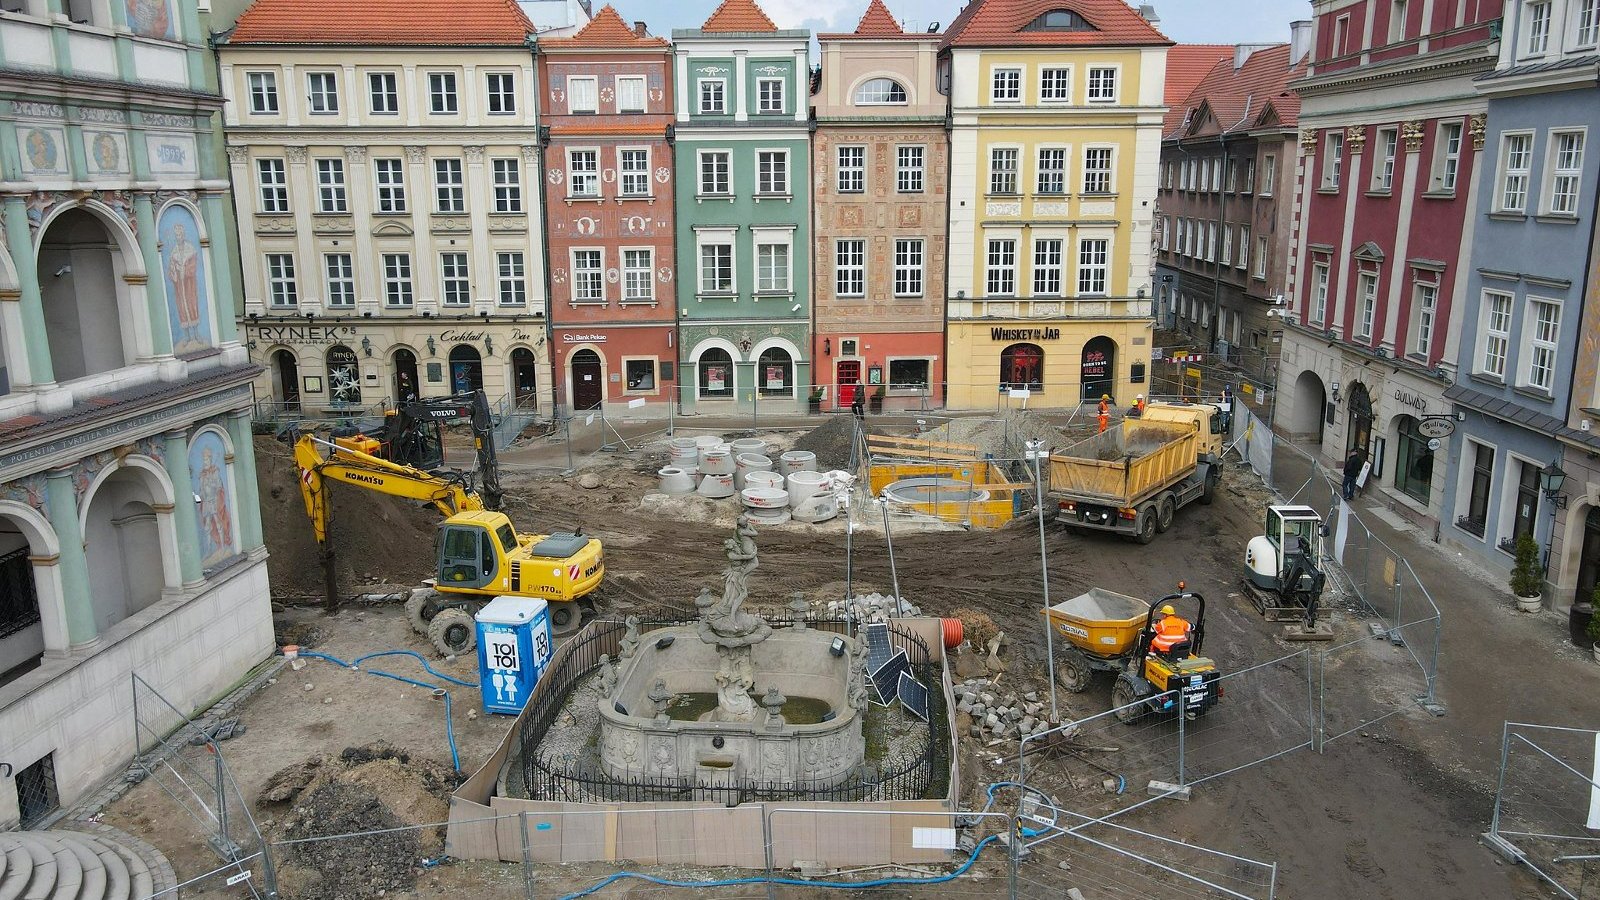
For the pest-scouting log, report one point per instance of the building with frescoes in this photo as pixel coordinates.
(130, 535)
(880, 160)
(384, 165)
(744, 219)
(606, 104)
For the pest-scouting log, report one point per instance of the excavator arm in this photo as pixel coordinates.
(347, 466)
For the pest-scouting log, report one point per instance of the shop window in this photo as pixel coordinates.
(344, 375)
(1022, 366)
(1526, 515)
(775, 371)
(1477, 516)
(716, 374)
(641, 374)
(909, 375)
(1414, 465)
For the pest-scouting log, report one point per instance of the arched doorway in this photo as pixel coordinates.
(405, 375)
(588, 379)
(775, 373)
(466, 369)
(1359, 431)
(1413, 464)
(21, 624)
(344, 375)
(1022, 366)
(1589, 557)
(525, 378)
(715, 374)
(1098, 369)
(1310, 403)
(122, 543)
(286, 378)
(79, 269)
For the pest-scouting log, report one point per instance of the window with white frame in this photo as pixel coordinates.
(908, 168)
(850, 268)
(1210, 241)
(263, 88)
(583, 94)
(1269, 175)
(769, 96)
(583, 173)
(1383, 173)
(714, 173)
(511, 271)
(880, 92)
(588, 276)
(390, 178)
(772, 172)
(1447, 156)
(1183, 236)
(322, 93)
(1000, 275)
(1166, 233)
(1005, 86)
(1366, 304)
(341, 280)
(1425, 303)
(1332, 159)
(1102, 84)
(713, 96)
(631, 94)
(1002, 170)
(1055, 85)
(273, 182)
(1052, 174)
(1249, 176)
(281, 290)
(502, 88)
(397, 279)
(330, 186)
(1097, 170)
(1227, 246)
(442, 98)
(1397, 21)
(1544, 327)
(1495, 342)
(908, 267)
(1516, 160)
(1093, 264)
(772, 266)
(1260, 258)
(638, 275)
(852, 170)
(507, 184)
(449, 188)
(716, 267)
(1231, 183)
(1588, 30)
(634, 169)
(1319, 293)
(1243, 261)
(1537, 14)
(1047, 264)
(1565, 173)
(383, 93)
(454, 287)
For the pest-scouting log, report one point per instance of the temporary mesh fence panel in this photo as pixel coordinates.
(1547, 807)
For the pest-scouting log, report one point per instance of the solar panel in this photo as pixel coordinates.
(913, 695)
(886, 680)
(879, 650)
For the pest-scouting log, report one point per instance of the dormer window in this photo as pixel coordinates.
(1059, 20)
(880, 92)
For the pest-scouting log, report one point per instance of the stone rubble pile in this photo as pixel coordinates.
(1000, 715)
(872, 608)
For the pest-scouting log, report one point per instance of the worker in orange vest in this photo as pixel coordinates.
(1171, 632)
(1105, 411)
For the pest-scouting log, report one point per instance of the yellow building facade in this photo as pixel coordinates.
(1055, 146)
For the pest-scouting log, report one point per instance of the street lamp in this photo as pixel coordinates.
(1551, 480)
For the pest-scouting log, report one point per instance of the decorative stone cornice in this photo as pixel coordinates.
(1478, 127)
(1356, 138)
(295, 155)
(1411, 132)
(355, 155)
(474, 154)
(1308, 138)
(238, 155)
(416, 154)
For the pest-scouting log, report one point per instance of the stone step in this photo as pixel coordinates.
(141, 880)
(99, 863)
(47, 866)
(19, 868)
(118, 881)
(92, 884)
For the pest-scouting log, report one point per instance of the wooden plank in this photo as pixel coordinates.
(909, 453)
(918, 442)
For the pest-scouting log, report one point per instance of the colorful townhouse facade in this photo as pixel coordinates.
(1523, 314)
(881, 168)
(743, 273)
(384, 166)
(606, 103)
(1056, 115)
(130, 533)
(1389, 172)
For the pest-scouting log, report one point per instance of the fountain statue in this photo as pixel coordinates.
(733, 631)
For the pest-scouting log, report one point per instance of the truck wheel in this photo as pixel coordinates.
(1123, 700)
(421, 607)
(1072, 671)
(565, 617)
(1209, 492)
(1165, 510)
(452, 632)
(1145, 525)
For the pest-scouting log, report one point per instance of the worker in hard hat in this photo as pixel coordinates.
(1172, 634)
(1137, 409)
(1105, 412)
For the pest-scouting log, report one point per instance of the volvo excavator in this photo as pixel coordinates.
(411, 436)
(480, 555)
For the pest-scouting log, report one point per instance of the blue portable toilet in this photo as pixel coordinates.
(514, 646)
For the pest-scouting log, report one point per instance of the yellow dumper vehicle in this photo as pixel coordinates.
(1110, 632)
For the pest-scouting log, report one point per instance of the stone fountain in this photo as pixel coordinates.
(731, 699)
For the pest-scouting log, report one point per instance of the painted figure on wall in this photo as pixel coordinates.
(107, 153)
(208, 465)
(184, 269)
(150, 18)
(41, 151)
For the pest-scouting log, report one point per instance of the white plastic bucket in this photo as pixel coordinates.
(803, 486)
(715, 486)
(797, 461)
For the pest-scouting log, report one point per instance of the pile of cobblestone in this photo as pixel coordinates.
(998, 715)
(873, 608)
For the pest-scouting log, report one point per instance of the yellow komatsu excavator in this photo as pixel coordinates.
(480, 555)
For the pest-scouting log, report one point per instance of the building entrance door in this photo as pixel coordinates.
(846, 372)
(588, 386)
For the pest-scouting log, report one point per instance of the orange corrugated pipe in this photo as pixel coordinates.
(954, 633)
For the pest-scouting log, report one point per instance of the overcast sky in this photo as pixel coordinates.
(1185, 21)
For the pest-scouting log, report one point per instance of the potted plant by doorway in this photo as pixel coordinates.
(814, 402)
(1594, 627)
(875, 402)
(1527, 578)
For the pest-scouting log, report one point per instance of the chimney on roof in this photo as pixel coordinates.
(639, 29)
(1149, 13)
(1241, 53)
(1299, 41)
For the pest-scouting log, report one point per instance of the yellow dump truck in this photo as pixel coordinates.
(1132, 480)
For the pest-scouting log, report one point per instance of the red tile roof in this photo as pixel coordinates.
(1237, 98)
(606, 30)
(738, 16)
(1187, 64)
(382, 22)
(1000, 23)
(878, 24)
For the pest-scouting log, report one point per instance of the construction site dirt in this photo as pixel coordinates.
(1393, 810)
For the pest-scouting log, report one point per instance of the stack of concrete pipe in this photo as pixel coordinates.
(761, 479)
(792, 461)
(716, 471)
(748, 445)
(766, 505)
(683, 452)
(745, 463)
(676, 480)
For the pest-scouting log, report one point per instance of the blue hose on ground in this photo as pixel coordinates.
(449, 726)
(419, 658)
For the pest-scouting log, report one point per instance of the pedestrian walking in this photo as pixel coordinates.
(858, 400)
(1352, 471)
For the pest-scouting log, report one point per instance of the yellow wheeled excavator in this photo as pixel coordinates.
(480, 555)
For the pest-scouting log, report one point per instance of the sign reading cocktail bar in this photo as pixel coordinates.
(1024, 334)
